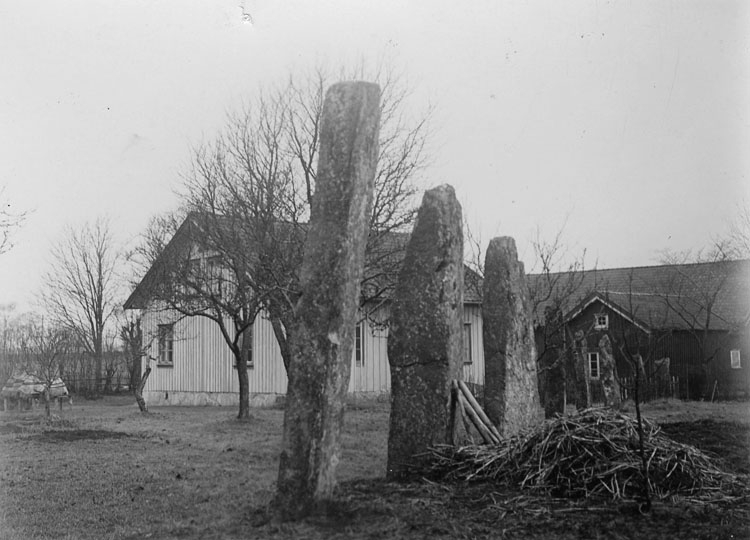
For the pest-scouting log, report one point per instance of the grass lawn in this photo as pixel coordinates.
(102, 470)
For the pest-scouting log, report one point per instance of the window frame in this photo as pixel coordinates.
(467, 345)
(601, 326)
(359, 341)
(165, 347)
(735, 360)
(594, 356)
(214, 275)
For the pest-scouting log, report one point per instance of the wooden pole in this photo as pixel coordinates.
(483, 430)
(475, 405)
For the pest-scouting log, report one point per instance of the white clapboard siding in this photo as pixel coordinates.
(474, 371)
(373, 374)
(203, 362)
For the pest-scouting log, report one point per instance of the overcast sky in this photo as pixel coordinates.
(629, 120)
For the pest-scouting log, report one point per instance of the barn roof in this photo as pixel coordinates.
(677, 296)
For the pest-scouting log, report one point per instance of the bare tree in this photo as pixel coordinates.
(692, 287)
(47, 346)
(249, 193)
(131, 336)
(80, 291)
(738, 239)
(10, 221)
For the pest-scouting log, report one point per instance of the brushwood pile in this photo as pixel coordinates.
(591, 453)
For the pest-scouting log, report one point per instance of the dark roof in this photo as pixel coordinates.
(384, 258)
(677, 296)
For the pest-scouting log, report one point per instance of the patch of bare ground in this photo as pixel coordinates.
(196, 472)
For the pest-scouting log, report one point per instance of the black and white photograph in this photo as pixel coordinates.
(355, 269)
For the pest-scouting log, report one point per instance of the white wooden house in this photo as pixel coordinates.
(193, 365)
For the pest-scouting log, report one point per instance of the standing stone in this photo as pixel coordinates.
(322, 337)
(608, 374)
(426, 333)
(579, 382)
(511, 391)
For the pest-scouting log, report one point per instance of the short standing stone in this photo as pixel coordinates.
(578, 371)
(425, 334)
(511, 391)
(608, 375)
(322, 338)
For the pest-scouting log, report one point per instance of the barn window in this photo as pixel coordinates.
(594, 365)
(601, 321)
(734, 356)
(467, 343)
(166, 345)
(359, 352)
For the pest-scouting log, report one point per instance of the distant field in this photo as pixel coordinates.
(102, 470)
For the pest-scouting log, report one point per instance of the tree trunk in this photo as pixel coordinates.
(98, 367)
(139, 391)
(279, 330)
(46, 401)
(242, 354)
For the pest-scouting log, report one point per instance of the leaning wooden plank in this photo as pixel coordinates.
(481, 427)
(473, 402)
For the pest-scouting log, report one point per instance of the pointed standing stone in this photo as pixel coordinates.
(426, 332)
(608, 375)
(511, 391)
(322, 338)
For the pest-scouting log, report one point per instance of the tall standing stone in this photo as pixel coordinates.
(511, 391)
(425, 333)
(322, 337)
(608, 375)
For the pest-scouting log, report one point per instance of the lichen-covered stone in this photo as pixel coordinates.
(425, 333)
(322, 338)
(511, 391)
(608, 375)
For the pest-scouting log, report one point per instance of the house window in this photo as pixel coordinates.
(359, 353)
(467, 343)
(601, 321)
(594, 365)
(246, 351)
(734, 356)
(214, 276)
(166, 345)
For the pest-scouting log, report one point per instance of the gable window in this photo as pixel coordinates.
(214, 276)
(359, 352)
(166, 345)
(467, 343)
(594, 365)
(734, 356)
(601, 321)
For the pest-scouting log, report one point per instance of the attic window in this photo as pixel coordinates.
(734, 356)
(601, 321)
